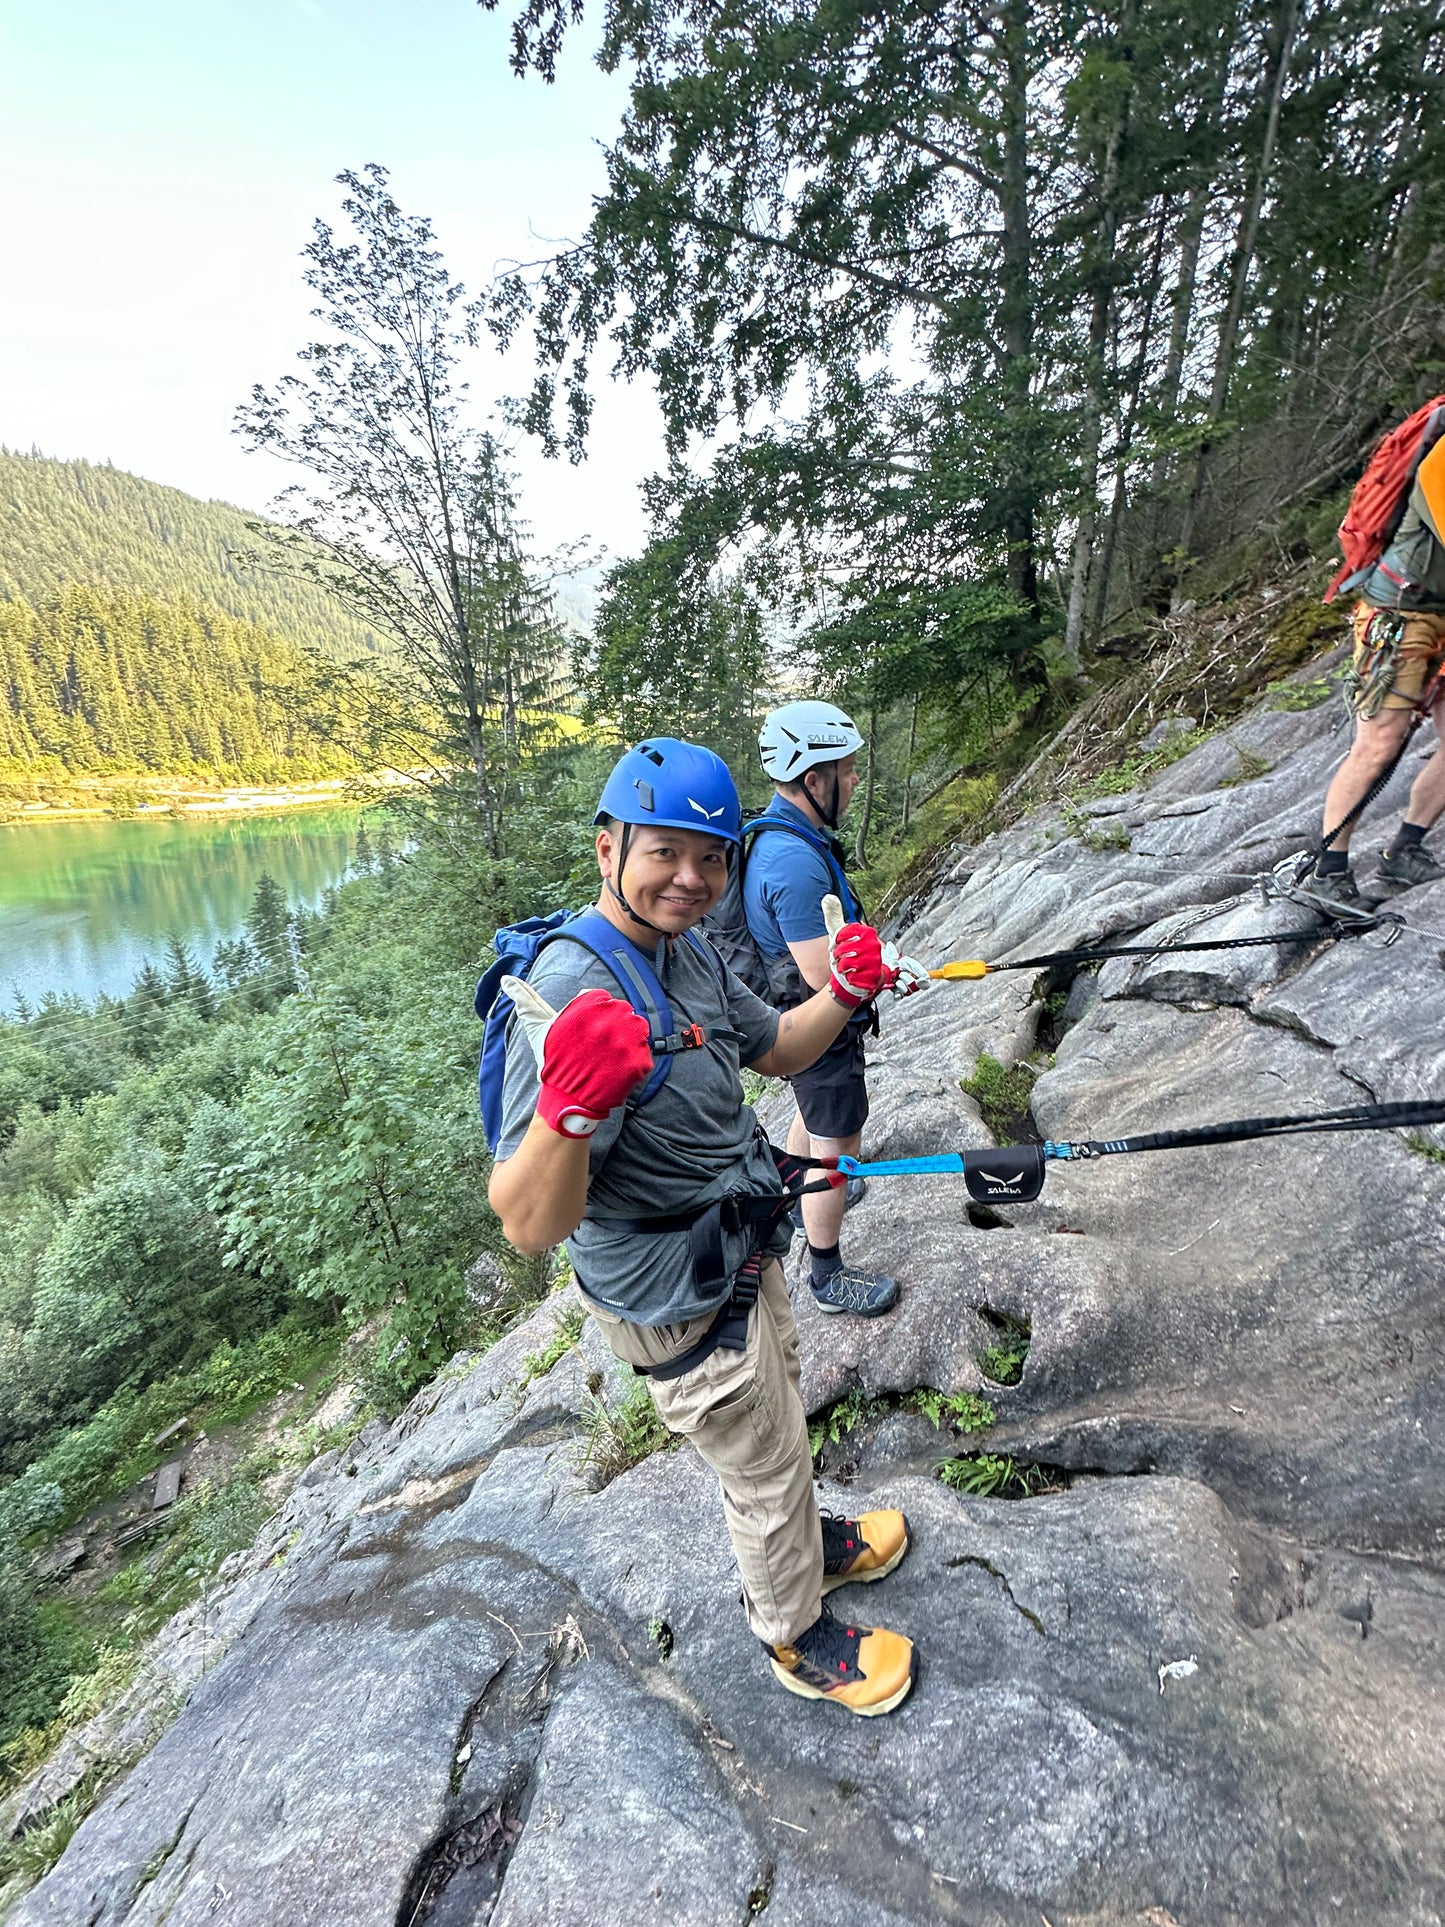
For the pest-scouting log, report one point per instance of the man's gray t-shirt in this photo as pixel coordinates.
(693, 1142)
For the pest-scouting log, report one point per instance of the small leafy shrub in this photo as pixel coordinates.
(42, 1649)
(963, 1411)
(1003, 1361)
(1094, 832)
(92, 1692)
(846, 1415)
(990, 1475)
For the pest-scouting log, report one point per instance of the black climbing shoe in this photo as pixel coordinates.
(855, 1193)
(1411, 866)
(868, 1547)
(860, 1292)
(862, 1668)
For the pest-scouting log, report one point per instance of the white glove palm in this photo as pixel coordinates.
(536, 1013)
(908, 974)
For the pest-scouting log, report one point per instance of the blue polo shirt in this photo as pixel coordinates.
(785, 882)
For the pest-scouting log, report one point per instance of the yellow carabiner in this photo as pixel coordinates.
(962, 967)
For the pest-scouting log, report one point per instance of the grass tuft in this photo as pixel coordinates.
(1003, 1096)
(565, 1336)
(620, 1436)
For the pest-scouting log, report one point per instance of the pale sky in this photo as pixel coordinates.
(161, 162)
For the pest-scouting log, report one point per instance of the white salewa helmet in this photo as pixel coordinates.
(799, 736)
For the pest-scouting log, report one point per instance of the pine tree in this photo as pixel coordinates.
(186, 983)
(363, 861)
(269, 928)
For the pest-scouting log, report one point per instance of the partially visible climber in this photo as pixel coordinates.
(1395, 558)
(793, 860)
(669, 1197)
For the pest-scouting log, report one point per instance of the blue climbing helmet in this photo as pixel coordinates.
(681, 786)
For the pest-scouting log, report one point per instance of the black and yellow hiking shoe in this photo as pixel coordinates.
(857, 1550)
(862, 1668)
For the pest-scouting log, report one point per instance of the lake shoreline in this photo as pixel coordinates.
(177, 797)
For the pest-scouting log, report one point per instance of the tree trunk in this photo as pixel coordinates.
(1101, 317)
(1126, 436)
(1191, 233)
(1016, 306)
(908, 773)
(865, 822)
(1276, 74)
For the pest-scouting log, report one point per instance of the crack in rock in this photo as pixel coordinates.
(987, 1565)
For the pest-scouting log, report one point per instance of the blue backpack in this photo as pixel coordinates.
(518, 946)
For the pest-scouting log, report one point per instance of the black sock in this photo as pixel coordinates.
(1332, 863)
(825, 1261)
(1407, 837)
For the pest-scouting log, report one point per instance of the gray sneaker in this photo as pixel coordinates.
(1338, 891)
(861, 1292)
(1411, 866)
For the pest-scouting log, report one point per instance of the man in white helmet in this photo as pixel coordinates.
(810, 750)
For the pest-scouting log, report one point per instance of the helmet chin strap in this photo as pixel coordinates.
(617, 893)
(830, 815)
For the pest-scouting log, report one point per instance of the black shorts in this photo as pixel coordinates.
(832, 1094)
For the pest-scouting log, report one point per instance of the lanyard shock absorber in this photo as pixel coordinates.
(1016, 1172)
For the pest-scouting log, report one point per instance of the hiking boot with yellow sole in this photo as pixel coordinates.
(860, 1668)
(857, 1550)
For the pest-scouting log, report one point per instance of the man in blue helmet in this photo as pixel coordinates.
(669, 1205)
(794, 862)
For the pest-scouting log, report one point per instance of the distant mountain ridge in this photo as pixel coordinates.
(63, 523)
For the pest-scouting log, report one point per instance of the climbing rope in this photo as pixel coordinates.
(973, 967)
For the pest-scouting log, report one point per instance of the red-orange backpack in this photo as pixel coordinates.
(1380, 496)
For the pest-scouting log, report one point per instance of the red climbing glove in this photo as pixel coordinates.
(597, 1051)
(855, 960)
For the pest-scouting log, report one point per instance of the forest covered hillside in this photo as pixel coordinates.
(63, 523)
(136, 640)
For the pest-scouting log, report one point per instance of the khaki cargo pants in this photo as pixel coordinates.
(744, 1413)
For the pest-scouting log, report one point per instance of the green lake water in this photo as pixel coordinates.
(82, 905)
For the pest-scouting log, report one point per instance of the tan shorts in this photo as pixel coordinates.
(744, 1413)
(1398, 652)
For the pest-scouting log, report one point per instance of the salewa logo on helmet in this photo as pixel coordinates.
(826, 738)
(707, 813)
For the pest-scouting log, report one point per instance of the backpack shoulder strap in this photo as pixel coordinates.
(636, 979)
(815, 841)
(703, 944)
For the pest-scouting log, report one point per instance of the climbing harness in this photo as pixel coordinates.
(1016, 1171)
